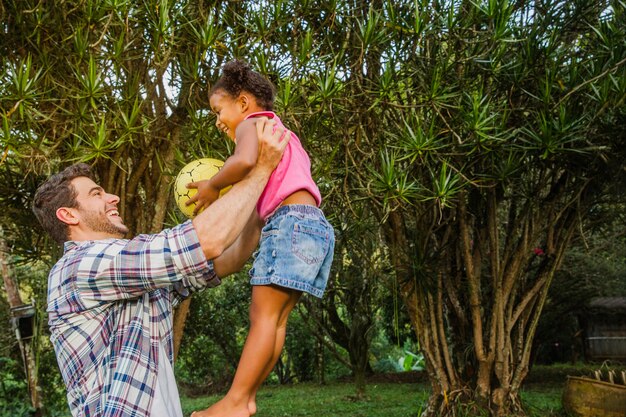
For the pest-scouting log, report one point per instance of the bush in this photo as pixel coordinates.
(14, 399)
(214, 335)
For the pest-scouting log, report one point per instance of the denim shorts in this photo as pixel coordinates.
(296, 250)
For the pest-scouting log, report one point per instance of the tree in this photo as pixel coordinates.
(478, 134)
(109, 83)
(214, 335)
(503, 129)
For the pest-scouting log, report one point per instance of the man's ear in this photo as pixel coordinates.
(66, 215)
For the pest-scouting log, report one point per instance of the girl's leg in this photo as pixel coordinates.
(266, 309)
(281, 332)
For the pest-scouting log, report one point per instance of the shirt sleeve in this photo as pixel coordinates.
(124, 269)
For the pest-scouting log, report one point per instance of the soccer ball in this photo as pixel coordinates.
(198, 170)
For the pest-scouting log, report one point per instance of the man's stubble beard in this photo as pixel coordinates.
(96, 222)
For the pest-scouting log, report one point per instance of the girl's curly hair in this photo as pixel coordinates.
(237, 76)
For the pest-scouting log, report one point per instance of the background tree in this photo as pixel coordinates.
(109, 83)
(214, 337)
(502, 127)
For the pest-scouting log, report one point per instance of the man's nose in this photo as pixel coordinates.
(112, 198)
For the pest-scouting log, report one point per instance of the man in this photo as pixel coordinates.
(110, 299)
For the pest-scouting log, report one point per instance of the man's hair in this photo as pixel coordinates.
(237, 76)
(58, 192)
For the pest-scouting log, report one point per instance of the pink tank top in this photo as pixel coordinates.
(292, 174)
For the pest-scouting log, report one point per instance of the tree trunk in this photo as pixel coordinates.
(319, 353)
(475, 303)
(359, 349)
(180, 317)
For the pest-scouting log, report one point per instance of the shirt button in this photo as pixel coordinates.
(274, 253)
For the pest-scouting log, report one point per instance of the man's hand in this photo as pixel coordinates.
(272, 143)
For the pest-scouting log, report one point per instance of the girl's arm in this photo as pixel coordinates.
(235, 168)
(218, 226)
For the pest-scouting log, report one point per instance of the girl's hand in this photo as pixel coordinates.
(205, 196)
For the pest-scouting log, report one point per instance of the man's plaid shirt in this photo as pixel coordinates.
(110, 305)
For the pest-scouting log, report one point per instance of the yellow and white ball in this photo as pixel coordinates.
(198, 170)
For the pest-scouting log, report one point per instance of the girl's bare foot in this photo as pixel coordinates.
(224, 408)
(252, 407)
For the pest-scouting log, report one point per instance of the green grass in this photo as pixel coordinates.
(336, 399)
(383, 400)
(543, 400)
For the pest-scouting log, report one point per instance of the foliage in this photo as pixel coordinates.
(299, 362)
(32, 279)
(597, 260)
(217, 327)
(216, 330)
(458, 146)
(400, 360)
(14, 398)
(411, 361)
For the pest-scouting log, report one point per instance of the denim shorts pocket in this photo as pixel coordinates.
(269, 229)
(309, 242)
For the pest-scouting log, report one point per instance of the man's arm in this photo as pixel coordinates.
(219, 225)
(235, 257)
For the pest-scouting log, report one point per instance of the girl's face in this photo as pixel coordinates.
(228, 110)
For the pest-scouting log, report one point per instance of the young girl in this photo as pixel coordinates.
(296, 247)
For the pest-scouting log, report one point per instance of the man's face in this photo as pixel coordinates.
(97, 210)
